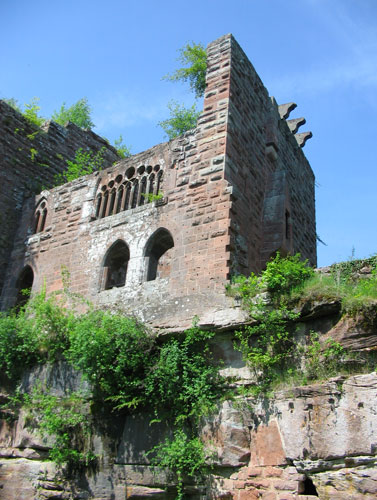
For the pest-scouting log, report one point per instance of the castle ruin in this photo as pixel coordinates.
(160, 233)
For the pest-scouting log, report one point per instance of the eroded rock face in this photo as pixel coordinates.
(313, 441)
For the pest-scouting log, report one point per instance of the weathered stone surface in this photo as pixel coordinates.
(265, 448)
(357, 332)
(227, 206)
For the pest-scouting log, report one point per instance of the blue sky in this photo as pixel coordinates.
(321, 54)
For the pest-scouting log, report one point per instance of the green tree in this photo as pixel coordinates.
(31, 112)
(181, 119)
(79, 114)
(194, 57)
(122, 150)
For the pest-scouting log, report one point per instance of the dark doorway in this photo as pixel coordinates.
(24, 286)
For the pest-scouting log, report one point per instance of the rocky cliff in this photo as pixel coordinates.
(301, 442)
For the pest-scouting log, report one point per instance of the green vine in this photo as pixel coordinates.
(128, 369)
(269, 345)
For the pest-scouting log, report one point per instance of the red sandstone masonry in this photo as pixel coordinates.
(219, 187)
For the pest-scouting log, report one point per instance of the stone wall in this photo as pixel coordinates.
(30, 158)
(235, 190)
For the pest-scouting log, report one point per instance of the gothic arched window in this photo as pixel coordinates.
(40, 217)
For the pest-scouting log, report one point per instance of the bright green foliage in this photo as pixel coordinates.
(31, 112)
(33, 154)
(122, 150)
(184, 381)
(195, 58)
(268, 346)
(66, 420)
(127, 368)
(181, 119)
(322, 360)
(183, 455)
(281, 275)
(114, 353)
(47, 322)
(79, 114)
(35, 334)
(18, 349)
(245, 288)
(284, 273)
(150, 197)
(85, 162)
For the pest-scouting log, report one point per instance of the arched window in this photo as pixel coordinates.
(127, 195)
(133, 189)
(110, 207)
(118, 201)
(40, 217)
(105, 200)
(98, 208)
(24, 285)
(143, 191)
(135, 192)
(150, 185)
(156, 254)
(159, 181)
(115, 265)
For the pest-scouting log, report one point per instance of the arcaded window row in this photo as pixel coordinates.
(136, 188)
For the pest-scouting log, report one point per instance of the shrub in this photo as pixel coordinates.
(79, 114)
(114, 354)
(183, 455)
(284, 273)
(85, 162)
(181, 119)
(122, 150)
(195, 58)
(66, 420)
(18, 348)
(31, 112)
(184, 381)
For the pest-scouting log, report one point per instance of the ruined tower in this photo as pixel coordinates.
(160, 233)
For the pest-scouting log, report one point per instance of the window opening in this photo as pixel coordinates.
(127, 196)
(110, 209)
(24, 286)
(307, 487)
(135, 194)
(40, 217)
(143, 191)
(159, 180)
(287, 225)
(156, 248)
(98, 208)
(115, 265)
(104, 204)
(36, 221)
(115, 197)
(43, 222)
(118, 201)
(151, 184)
